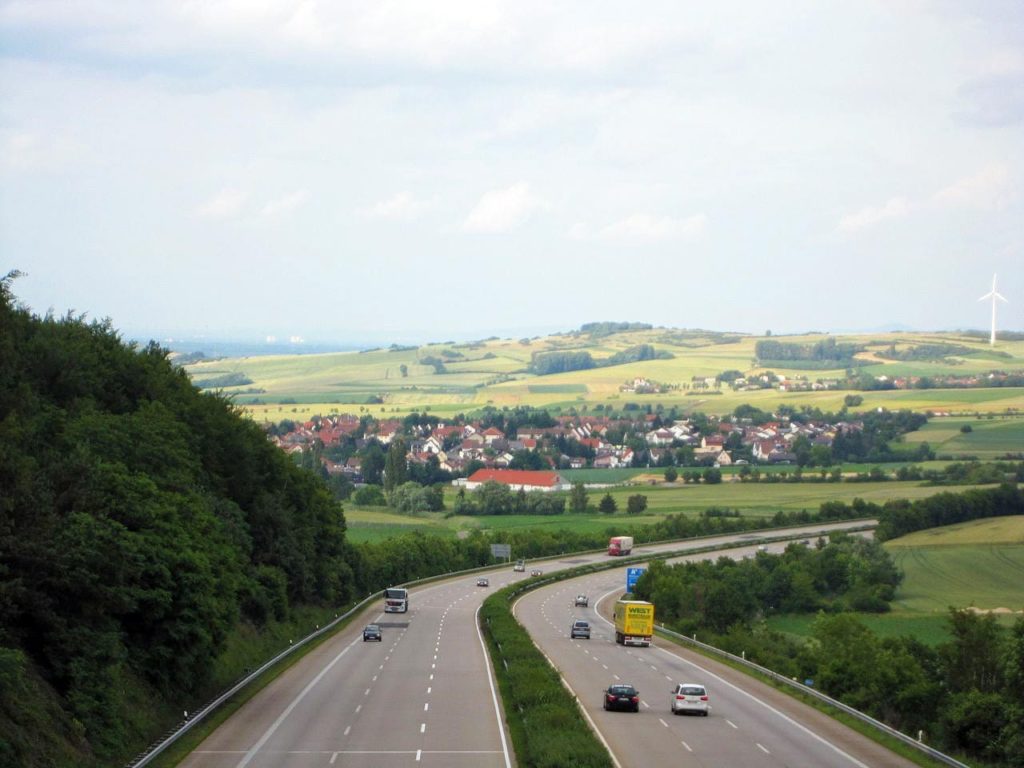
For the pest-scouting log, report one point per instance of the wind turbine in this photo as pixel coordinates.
(993, 294)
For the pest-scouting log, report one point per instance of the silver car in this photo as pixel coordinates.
(690, 697)
(579, 629)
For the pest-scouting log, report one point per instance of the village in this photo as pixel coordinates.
(573, 442)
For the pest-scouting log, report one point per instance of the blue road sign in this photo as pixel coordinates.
(632, 576)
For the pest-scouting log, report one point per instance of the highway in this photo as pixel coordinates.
(421, 696)
(749, 723)
(425, 695)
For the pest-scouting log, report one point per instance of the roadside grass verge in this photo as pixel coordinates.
(248, 649)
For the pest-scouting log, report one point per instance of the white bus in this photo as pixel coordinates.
(396, 600)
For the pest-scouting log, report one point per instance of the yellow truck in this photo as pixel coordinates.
(634, 622)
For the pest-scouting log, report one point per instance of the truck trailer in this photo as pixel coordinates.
(634, 622)
(620, 545)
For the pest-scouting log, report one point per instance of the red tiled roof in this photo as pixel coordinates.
(515, 477)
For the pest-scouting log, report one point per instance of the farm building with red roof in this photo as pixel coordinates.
(518, 478)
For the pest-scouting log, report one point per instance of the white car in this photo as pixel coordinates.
(582, 600)
(690, 697)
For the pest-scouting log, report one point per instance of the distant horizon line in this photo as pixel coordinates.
(298, 342)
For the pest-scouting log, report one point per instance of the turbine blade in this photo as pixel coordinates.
(986, 296)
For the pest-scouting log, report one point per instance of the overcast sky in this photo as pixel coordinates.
(426, 170)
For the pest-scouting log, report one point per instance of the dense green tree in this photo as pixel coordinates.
(712, 475)
(578, 498)
(973, 659)
(396, 468)
(636, 504)
(140, 522)
(529, 460)
(607, 504)
(373, 461)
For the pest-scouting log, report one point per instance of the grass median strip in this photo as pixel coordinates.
(544, 719)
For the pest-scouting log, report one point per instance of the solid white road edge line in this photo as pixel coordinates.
(750, 696)
(494, 694)
(288, 710)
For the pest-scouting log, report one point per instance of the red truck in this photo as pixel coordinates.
(620, 545)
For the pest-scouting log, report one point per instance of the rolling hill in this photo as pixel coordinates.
(450, 378)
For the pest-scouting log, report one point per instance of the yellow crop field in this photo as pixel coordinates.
(992, 530)
(400, 380)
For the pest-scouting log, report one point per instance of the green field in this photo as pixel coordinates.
(752, 500)
(991, 437)
(978, 564)
(764, 499)
(495, 372)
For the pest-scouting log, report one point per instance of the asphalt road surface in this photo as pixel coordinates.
(421, 696)
(750, 723)
(425, 694)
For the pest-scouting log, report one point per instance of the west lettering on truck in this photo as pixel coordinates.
(634, 622)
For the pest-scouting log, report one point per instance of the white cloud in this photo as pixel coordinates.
(27, 151)
(401, 206)
(502, 209)
(644, 227)
(225, 204)
(865, 218)
(988, 189)
(274, 21)
(285, 205)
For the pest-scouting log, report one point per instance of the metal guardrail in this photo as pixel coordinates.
(878, 725)
(145, 758)
(807, 690)
(162, 744)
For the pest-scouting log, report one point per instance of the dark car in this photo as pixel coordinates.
(581, 629)
(372, 632)
(622, 697)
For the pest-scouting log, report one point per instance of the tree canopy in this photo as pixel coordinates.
(140, 521)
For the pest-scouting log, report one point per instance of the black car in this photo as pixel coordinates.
(622, 697)
(372, 632)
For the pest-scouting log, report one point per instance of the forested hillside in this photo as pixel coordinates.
(140, 522)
